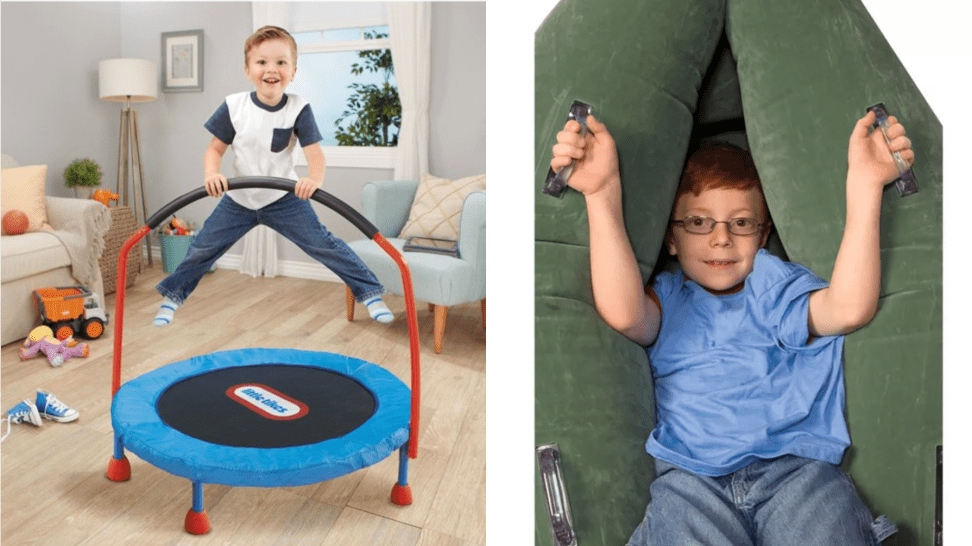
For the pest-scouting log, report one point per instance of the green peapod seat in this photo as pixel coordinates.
(787, 80)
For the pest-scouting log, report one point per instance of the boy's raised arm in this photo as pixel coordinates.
(850, 301)
(216, 183)
(306, 186)
(618, 290)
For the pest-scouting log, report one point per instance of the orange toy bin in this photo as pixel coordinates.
(58, 304)
(69, 310)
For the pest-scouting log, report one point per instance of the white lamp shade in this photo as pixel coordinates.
(120, 80)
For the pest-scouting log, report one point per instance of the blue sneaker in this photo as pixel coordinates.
(24, 412)
(51, 408)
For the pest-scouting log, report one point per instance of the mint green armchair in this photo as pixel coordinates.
(441, 281)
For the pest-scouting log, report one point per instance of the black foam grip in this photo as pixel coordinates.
(269, 182)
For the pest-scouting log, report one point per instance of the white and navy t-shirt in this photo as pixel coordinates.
(263, 139)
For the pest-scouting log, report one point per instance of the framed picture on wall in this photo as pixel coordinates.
(182, 61)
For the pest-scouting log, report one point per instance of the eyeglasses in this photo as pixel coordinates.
(703, 225)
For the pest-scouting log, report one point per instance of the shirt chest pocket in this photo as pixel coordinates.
(281, 139)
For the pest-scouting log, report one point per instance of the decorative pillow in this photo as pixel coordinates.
(23, 189)
(438, 204)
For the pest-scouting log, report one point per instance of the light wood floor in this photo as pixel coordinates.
(54, 488)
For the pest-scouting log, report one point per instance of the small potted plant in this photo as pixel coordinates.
(83, 175)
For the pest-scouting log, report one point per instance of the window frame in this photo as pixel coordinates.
(363, 157)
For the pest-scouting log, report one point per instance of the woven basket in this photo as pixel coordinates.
(123, 225)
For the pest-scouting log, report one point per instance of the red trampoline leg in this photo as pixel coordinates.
(402, 492)
(119, 469)
(401, 495)
(197, 521)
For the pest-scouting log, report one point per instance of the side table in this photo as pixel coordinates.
(123, 225)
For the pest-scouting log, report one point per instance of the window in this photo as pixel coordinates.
(348, 77)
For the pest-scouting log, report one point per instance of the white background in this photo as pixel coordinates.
(930, 39)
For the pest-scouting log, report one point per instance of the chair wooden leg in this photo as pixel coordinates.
(484, 313)
(350, 299)
(440, 319)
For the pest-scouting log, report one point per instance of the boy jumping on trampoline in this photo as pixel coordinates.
(745, 348)
(263, 126)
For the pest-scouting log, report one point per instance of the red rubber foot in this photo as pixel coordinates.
(401, 495)
(119, 470)
(197, 523)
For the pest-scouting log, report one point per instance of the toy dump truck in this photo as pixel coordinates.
(70, 310)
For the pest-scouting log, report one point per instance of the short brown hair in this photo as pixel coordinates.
(719, 165)
(268, 32)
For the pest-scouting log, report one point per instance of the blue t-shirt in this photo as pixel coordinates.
(735, 379)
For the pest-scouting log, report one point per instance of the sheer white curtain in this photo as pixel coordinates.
(410, 27)
(260, 244)
(272, 13)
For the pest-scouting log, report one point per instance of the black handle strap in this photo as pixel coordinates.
(269, 182)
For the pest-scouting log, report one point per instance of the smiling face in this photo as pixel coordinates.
(270, 66)
(719, 261)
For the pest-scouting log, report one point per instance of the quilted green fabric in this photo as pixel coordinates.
(798, 75)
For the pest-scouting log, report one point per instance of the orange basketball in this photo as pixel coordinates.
(15, 222)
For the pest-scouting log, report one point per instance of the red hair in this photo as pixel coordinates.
(718, 165)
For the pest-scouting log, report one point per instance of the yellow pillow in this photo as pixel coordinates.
(23, 189)
(438, 204)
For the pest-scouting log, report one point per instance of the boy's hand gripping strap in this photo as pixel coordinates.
(556, 182)
(906, 183)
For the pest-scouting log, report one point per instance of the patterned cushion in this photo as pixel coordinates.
(438, 204)
(23, 189)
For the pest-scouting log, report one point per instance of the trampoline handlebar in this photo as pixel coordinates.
(326, 199)
(267, 182)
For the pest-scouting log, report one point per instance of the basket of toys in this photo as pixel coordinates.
(176, 237)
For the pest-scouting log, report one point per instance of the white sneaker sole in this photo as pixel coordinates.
(66, 419)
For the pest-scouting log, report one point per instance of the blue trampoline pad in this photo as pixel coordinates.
(263, 417)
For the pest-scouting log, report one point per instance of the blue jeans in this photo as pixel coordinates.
(780, 502)
(289, 216)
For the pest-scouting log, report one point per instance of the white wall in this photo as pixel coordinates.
(172, 133)
(458, 96)
(51, 112)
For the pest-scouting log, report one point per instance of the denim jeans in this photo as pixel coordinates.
(289, 216)
(780, 502)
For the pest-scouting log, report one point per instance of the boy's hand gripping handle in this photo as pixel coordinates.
(555, 493)
(556, 182)
(906, 183)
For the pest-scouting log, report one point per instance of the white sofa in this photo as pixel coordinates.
(39, 259)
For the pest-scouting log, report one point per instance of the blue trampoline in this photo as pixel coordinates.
(264, 417)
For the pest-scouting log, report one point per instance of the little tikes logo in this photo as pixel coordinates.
(267, 402)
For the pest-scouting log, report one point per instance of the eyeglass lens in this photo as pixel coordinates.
(704, 225)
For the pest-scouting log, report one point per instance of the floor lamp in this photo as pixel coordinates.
(128, 81)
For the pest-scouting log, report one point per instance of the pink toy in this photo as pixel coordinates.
(41, 339)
